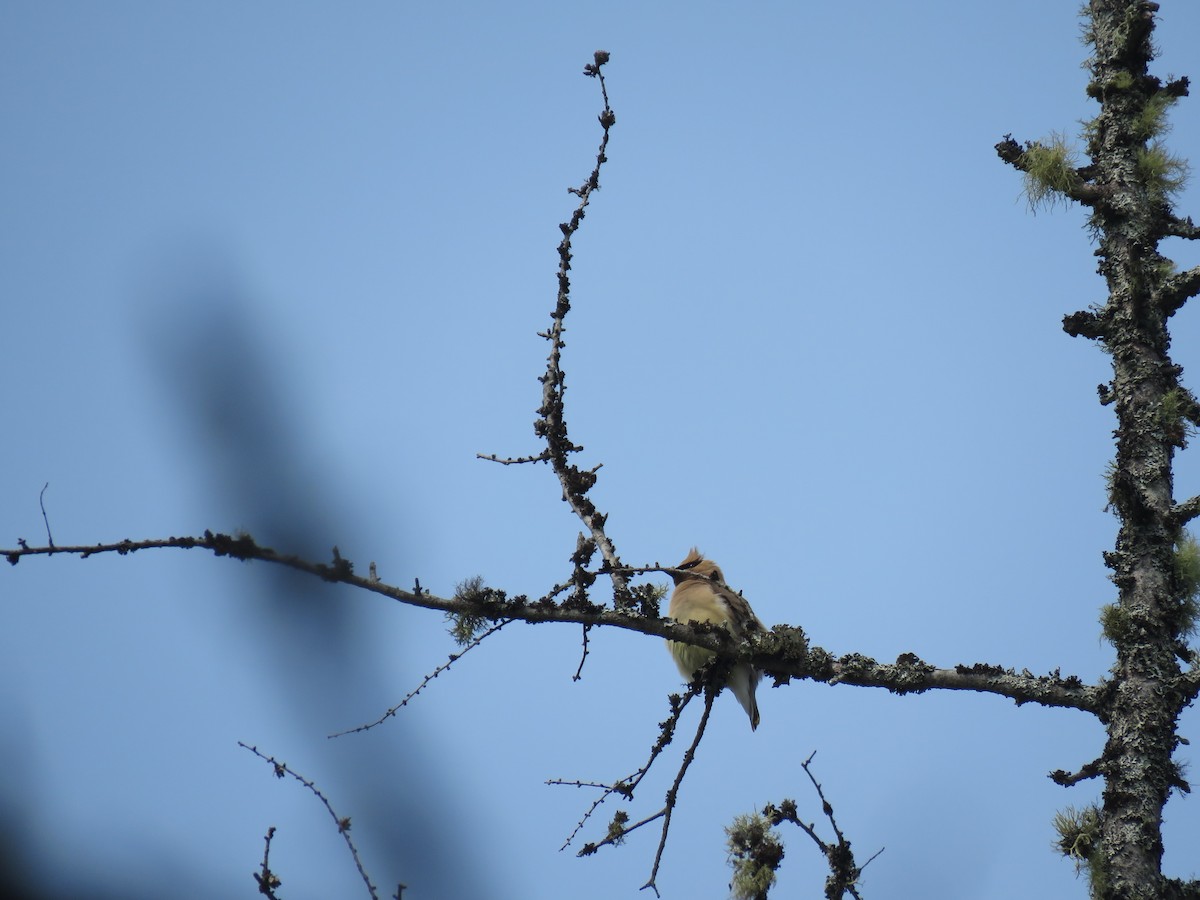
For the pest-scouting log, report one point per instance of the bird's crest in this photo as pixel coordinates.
(704, 568)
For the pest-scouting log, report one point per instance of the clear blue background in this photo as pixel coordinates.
(279, 266)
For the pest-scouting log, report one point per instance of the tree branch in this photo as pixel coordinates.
(267, 880)
(1178, 289)
(784, 652)
(454, 657)
(1093, 769)
(1084, 323)
(1073, 183)
(843, 871)
(1184, 512)
(710, 694)
(551, 424)
(1183, 228)
(343, 824)
(618, 829)
(627, 785)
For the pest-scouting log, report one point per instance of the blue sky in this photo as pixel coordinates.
(280, 267)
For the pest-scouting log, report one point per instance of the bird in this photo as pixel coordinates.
(700, 595)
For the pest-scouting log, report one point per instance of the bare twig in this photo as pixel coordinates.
(544, 456)
(267, 880)
(843, 871)
(42, 504)
(343, 824)
(618, 830)
(454, 657)
(627, 785)
(710, 694)
(583, 657)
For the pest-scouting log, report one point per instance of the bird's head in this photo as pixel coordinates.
(698, 567)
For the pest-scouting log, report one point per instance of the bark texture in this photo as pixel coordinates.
(1131, 177)
(1130, 218)
(1127, 184)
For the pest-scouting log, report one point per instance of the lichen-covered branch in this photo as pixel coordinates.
(756, 853)
(1182, 228)
(1186, 511)
(551, 424)
(1049, 171)
(784, 652)
(1178, 289)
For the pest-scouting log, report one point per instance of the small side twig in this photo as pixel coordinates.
(710, 694)
(267, 880)
(1068, 779)
(627, 785)
(551, 424)
(45, 518)
(343, 824)
(544, 456)
(618, 829)
(454, 657)
(583, 658)
(843, 871)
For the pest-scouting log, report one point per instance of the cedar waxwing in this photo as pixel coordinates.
(698, 598)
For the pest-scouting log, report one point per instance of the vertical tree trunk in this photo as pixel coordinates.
(1131, 214)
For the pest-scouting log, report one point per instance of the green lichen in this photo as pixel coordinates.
(1050, 171)
(1165, 268)
(1115, 623)
(1110, 484)
(1152, 122)
(755, 853)
(1079, 840)
(616, 828)
(1163, 173)
(1087, 30)
(1173, 416)
(465, 626)
(1187, 582)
